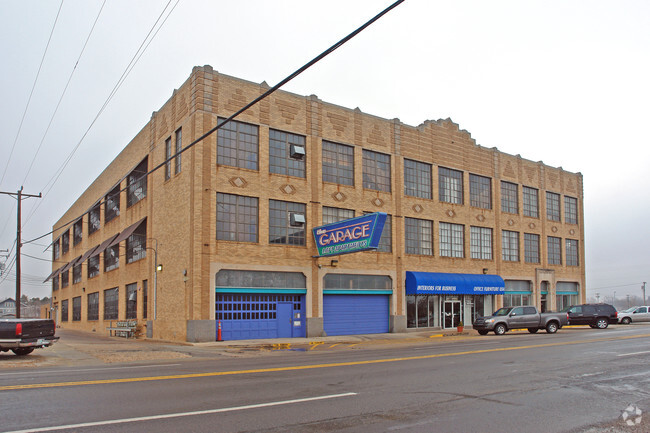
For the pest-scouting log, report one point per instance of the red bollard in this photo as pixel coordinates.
(219, 332)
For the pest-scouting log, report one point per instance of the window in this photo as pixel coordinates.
(554, 251)
(417, 179)
(268, 279)
(132, 301)
(452, 240)
(510, 246)
(450, 185)
(237, 218)
(480, 191)
(285, 226)
(64, 310)
(56, 249)
(286, 153)
(552, 206)
(93, 306)
(65, 279)
(237, 144)
(76, 309)
(480, 240)
(356, 282)
(419, 236)
(179, 147)
(55, 283)
(112, 206)
(93, 219)
(136, 244)
(77, 231)
(76, 273)
(111, 303)
(93, 266)
(65, 242)
(145, 298)
(338, 163)
(531, 202)
(509, 197)
(136, 183)
(570, 210)
(334, 214)
(168, 158)
(376, 171)
(572, 252)
(112, 258)
(386, 240)
(531, 248)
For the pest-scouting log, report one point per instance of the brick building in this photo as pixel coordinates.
(223, 231)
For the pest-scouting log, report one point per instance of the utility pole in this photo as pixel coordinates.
(643, 288)
(20, 197)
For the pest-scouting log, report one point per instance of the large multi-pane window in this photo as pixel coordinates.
(570, 210)
(132, 301)
(94, 219)
(531, 201)
(136, 183)
(572, 252)
(112, 206)
(376, 171)
(55, 283)
(338, 163)
(112, 258)
(238, 144)
(450, 185)
(531, 248)
(552, 206)
(386, 240)
(417, 179)
(111, 303)
(64, 310)
(509, 197)
(419, 236)
(76, 309)
(480, 240)
(56, 249)
(335, 214)
(178, 148)
(286, 153)
(65, 278)
(287, 223)
(136, 244)
(65, 242)
(168, 160)
(237, 218)
(480, 191)
(452, 240)
(76, 273)
(93, 306)
(93, 266)
(510, 246)
(554, 250)
(77, 231)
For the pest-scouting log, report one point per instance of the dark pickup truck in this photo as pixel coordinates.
(520, 317)
(22, 336)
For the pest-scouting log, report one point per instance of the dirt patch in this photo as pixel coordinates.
(114, 356)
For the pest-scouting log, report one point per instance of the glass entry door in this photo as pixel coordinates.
(451, 314)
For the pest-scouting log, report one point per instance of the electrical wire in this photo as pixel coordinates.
(20, 127)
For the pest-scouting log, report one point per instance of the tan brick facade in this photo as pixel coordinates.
(181, 212)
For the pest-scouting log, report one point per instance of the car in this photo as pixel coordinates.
(595, 315)
(634, 314)
(520, 317)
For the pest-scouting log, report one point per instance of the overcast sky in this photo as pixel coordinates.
(563, 82)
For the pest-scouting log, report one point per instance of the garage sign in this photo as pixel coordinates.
(351, 235)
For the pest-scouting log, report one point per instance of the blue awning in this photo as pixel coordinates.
(438, 283)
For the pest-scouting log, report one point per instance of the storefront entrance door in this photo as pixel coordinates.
(451, 314)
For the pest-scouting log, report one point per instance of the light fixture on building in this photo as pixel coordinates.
(485, 270)
(159, 268)
(334, 263)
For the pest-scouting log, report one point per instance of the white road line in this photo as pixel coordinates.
(181, 414)
(31, 373)
(634, 353)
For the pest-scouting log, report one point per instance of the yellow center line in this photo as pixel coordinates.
(305, 367)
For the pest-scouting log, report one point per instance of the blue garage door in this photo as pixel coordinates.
(355, 314)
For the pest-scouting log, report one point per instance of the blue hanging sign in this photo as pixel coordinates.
(351, 235)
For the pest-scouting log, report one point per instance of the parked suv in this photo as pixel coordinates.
(595, 315)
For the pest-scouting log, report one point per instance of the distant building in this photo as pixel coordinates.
(8, 308)
(221, 234)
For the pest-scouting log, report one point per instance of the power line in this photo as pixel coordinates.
(20, 127)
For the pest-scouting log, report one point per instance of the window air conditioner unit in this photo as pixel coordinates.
(296, 219)
(297, 152)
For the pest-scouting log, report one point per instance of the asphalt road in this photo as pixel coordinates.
(578, 380)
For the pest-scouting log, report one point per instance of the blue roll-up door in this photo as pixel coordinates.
(355, 314)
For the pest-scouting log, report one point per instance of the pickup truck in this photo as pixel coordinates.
(22, 336)
(519, 318)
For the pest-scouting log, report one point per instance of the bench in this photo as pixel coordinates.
(123, 328)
